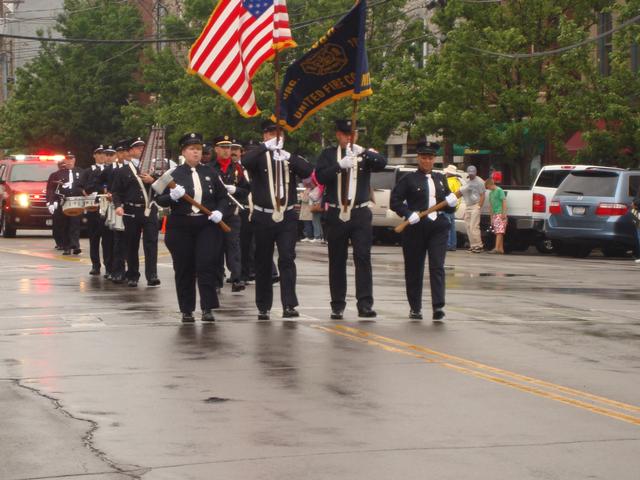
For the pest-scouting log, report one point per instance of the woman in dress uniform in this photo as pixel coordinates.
(193, 238)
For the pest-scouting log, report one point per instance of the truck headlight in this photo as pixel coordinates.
(21, 200)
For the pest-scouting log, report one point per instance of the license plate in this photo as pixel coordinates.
(48, 222)
(579, 210)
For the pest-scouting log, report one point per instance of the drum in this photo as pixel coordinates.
(103, 205)
(90, 204)
(73, 206)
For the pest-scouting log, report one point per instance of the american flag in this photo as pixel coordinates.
(239, 36)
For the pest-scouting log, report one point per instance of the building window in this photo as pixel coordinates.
(605, 44)
(397, 150)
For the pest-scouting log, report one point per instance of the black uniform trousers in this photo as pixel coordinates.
(135, 226)
(195, 244)
(230, 251)
(66, 229)
(426, 237)
(119, 255)
(247, 246)
(358, 229)
(99, 233)
(284, 235)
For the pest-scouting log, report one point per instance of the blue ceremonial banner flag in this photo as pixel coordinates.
(336, 66)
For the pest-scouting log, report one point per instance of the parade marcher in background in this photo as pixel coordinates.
(54, 200)
(113, 163)
(453, 180)
(232, 175)
(345, 172)
(498, 210)
(90, 179)
(193, 239)
(236, 150)
(414, 193)
(207, 153)
(61, 184)
(473, 193)
(132, 199)
(272, 173)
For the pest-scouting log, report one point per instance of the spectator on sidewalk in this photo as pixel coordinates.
(473, 193)
(451, 172)
(311, 210)
(498, 211)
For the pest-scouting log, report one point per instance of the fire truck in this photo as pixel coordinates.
(23, 187)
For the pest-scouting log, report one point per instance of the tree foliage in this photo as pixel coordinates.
(69, 97)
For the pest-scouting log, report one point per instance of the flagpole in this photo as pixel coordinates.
(276, 84)
(352, 137)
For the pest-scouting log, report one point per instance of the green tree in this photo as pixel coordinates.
(69, 97)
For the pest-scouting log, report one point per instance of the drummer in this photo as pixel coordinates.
(63, 185)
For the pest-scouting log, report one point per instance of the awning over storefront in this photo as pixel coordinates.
(462, 150)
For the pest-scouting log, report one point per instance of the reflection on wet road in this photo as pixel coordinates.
(533, 375)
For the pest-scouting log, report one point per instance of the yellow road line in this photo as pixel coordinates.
(456, 363)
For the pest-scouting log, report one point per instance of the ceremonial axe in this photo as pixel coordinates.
(438, 206)
(166, 180)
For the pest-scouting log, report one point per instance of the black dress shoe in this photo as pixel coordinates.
(58, 247)
(117, 279)
(188, 317)
(275, 279)
(207, 316)
(290, 312)
(438, 315)
(94, 271)
(154, 282)
(336, 315)
(415, 315)
(367, 313)
(66, 252)
(132, 283)
(77, 251)
(263, 315)
(107, 276)
(237, 286)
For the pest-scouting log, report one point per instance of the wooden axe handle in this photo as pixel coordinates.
(223, 226)
(424, 213)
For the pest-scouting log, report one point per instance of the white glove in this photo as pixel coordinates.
(414, 218)
(52, 207)
(66, 185)
(452, 200)
(347, 162)
(275, 143)
(281, 155)
(354, 150)
(177, 193)
(215, 216)
(231, 189)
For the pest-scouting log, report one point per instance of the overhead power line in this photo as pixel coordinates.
(557, 51)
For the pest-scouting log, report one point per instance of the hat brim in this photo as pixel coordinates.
(426, 152)
(224, 143)
(139, 143)
(191, 141)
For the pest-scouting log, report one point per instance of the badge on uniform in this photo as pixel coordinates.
(207, 178)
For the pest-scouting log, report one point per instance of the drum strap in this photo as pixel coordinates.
(147, 207)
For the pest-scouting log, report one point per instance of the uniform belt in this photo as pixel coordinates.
(139, 205)
(270, 210)
(359, 205)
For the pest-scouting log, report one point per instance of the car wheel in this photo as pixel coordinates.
(7, 232)
(544, 245)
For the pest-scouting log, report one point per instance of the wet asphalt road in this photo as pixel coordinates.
(535, 375)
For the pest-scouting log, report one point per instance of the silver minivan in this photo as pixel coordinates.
(592, 209)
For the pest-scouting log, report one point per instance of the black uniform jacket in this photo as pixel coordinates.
(107, 176)
(327, 169)
(214, 195)
(58, 179)
(255, 162)
(126, 187)
(411, 194)
(233, 176)
(90, 179)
